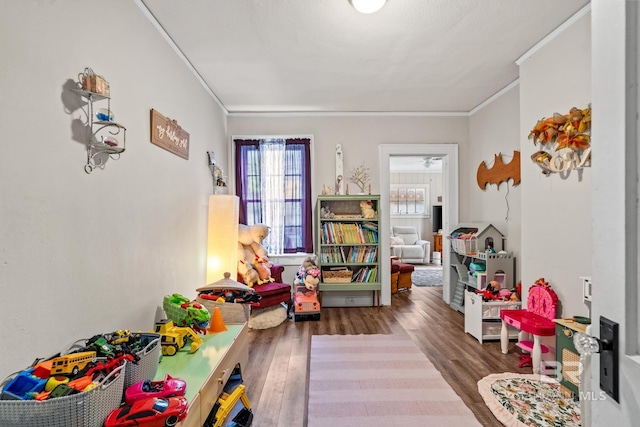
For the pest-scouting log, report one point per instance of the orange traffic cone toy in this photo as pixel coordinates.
(217, 323)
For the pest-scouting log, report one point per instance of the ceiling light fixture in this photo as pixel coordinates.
(367, 6)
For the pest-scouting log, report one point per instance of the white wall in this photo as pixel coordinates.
(616, 57)
(84, 254)
(556, 209)
(360, 138)
(496, 129)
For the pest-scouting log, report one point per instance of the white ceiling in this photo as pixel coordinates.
(321, 56)
(415, 164)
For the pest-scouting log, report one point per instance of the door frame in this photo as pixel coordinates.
(450, 206)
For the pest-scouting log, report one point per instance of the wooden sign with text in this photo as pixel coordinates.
(167, 134)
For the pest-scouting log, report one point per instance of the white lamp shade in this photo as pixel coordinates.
(222, 242)
(367, 6)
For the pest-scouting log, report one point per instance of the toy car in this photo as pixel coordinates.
(306, 305)
(151, 412)
(166, 388)
(23, 386)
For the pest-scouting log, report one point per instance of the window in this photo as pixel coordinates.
(273, 182)
(409, 200)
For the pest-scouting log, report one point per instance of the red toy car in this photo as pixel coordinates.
(166, 388)
(151, 412)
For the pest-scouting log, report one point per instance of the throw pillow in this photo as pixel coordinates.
(397, 240)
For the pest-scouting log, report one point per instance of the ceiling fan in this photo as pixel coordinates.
(428, 160)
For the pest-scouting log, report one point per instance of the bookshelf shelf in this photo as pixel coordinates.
(348, 245)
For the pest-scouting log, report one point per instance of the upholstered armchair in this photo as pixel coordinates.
(407, 245)
(272, 293)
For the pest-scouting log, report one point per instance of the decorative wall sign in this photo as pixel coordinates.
(565, 141)
(166, 133)
(499, 172)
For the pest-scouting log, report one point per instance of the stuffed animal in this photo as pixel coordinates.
(309, 263)
(263, 267)
(366, 207)
(326, 213)
(311, 280)
(250, 250)
(307, 276)
(490, 293)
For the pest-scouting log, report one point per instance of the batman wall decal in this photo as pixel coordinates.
(499, 172)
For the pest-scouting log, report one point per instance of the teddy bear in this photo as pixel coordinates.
(253, 262)
(366, 207)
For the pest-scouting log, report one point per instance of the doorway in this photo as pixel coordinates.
(449, 155)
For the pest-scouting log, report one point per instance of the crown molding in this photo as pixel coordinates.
(538, 46)
(145, 10)
(348, 114)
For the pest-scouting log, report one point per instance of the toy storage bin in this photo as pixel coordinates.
(491, 310)
(231, 312)
(491, 328)
(337, 275)
(145, 368)
(465, 246)
(86, 409)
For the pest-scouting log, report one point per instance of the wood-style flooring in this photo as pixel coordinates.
(276, 376)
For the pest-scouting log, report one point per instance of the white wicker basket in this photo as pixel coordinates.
(147, 366)
(86, 409)
(465, 246)
(144, 369)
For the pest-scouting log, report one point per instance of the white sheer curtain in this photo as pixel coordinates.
(272, 160)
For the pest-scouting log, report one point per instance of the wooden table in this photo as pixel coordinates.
(207, 370)
(437, 243)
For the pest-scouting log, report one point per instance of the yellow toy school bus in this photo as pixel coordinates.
(72, 363)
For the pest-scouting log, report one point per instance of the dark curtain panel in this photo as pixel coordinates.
(247, 182)
(298, 208)
(299, 153)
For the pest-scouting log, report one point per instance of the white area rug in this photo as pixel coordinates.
(265, 318)
(379, 381)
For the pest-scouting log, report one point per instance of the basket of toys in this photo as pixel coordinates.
(232, 298)
(83, 409)
(147, 350)
(465, 246)
(337, 275)
(141, 349)
(231, 312)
